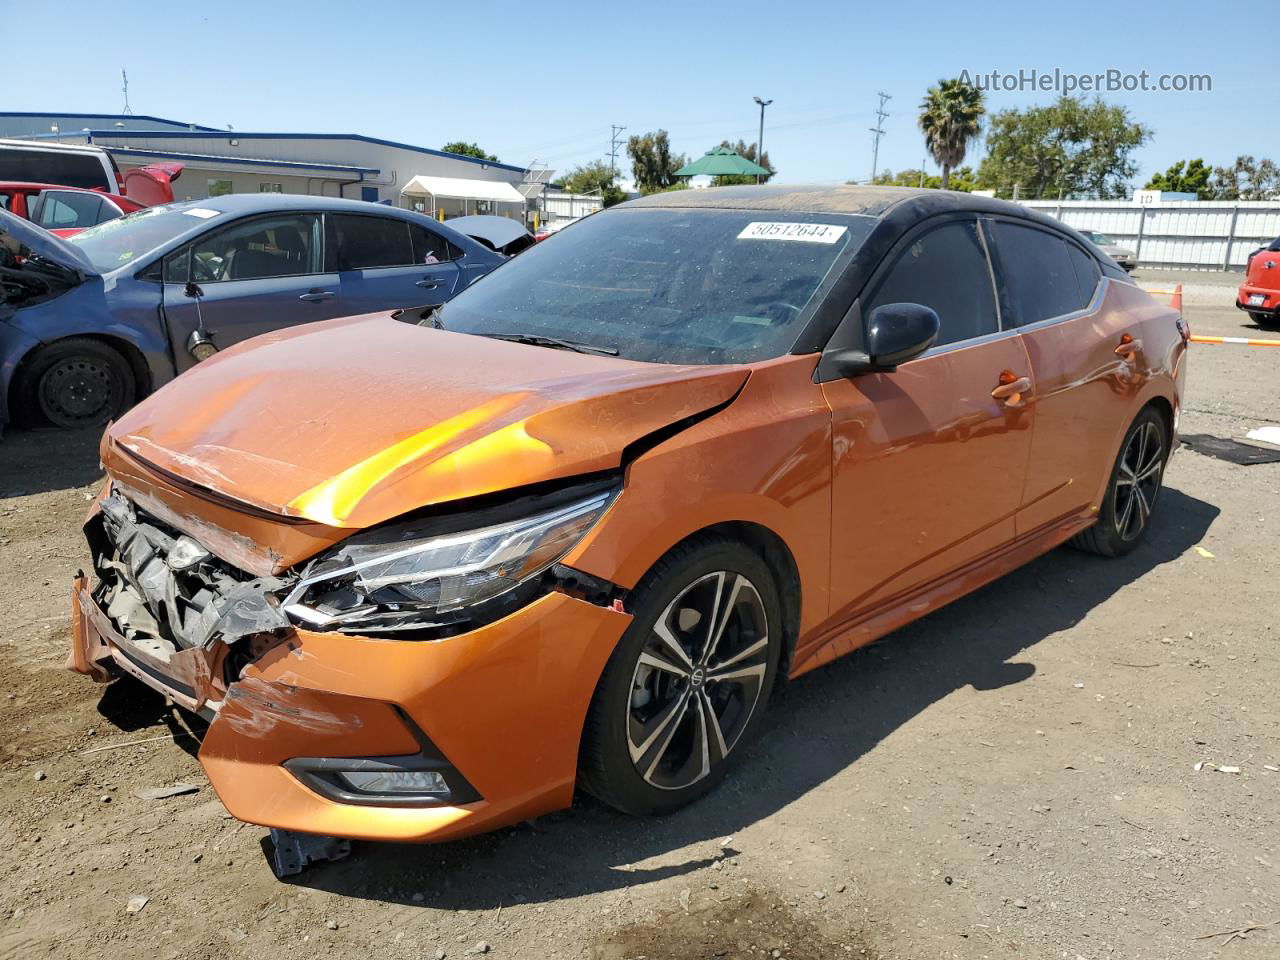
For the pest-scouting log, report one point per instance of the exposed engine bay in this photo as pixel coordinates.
(166, 592)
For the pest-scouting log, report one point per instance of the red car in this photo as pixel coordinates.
(68, 210)
(1260, 293)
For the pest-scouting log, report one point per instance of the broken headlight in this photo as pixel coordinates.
(413, 576)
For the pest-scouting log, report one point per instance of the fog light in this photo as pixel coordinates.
(395, 781)
(201, 346)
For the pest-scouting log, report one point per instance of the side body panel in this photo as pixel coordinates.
(1086, 396)
(117, 307)
(767, 457)
(396, 288)
(928, 471)
(236, 310)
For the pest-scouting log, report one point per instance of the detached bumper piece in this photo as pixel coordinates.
(292, 852)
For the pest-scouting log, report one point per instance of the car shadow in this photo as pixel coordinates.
(1269, 331)
(38, 461)
(819, 725)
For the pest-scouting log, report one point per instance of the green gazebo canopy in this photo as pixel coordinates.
(720, 162)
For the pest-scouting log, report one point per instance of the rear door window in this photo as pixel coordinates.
(1038, 270)
(430, 247)
(362, 243)
(61, 209)
(946, 269)
(1087, 272)
(63, 167)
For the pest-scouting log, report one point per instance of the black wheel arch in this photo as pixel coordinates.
(132, 355)
(773, 550)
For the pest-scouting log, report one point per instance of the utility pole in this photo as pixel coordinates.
(615, 141)
(879, 132)
(760, 139)
(124, 79)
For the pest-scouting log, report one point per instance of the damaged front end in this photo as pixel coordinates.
(180, 609)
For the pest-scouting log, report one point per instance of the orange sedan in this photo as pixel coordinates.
(426, 574)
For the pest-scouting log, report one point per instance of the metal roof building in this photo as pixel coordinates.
(326, 164)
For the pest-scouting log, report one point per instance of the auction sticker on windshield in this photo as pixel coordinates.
(795, 232)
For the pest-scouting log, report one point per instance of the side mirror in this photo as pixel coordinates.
(896, 333)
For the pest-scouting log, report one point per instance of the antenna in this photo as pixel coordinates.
(615, 141)
(124, 79)
(881, 113)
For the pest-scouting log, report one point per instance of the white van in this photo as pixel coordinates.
(66, 164)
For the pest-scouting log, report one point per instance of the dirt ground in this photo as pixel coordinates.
(1013, 776)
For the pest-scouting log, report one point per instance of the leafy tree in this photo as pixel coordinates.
(962, 178)
(1246, 179)
(1069, 148)
(591, 177)
(1184, 177)
(748, 151)
(653, 165)
(951, 120)
(465, 149)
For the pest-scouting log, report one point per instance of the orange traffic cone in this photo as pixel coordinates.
(1176, 302)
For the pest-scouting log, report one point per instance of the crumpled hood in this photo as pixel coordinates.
(19, 238)
(355, 421)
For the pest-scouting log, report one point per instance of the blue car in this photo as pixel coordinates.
(91, 323)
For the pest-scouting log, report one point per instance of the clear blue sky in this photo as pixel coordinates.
(545, 80)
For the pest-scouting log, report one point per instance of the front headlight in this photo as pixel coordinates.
(413, 576)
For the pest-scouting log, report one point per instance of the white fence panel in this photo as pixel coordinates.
(1203, 235)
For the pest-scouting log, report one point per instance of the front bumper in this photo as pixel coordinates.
(505, 704)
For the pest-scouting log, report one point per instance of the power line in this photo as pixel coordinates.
(878, 130)
(614, 142)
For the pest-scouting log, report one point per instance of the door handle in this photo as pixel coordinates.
(317, 296)
(1128, 348)
(1012, 389)
(428, 283)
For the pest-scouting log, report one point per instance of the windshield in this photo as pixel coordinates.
(1101, 239)
(665, 285)
(117, 243)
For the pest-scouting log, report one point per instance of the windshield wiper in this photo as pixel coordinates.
(555, 343)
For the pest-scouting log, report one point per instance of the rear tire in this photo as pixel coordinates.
(73, 383)
(672, 711)
(1132, 489)
(1268, 321)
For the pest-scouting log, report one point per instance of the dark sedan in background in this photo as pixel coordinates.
(92, 323)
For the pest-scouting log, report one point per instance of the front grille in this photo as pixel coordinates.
(164, 590)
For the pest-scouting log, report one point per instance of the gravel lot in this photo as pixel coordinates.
(1013, 776)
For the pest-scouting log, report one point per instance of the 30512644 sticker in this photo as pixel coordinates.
(794, 232)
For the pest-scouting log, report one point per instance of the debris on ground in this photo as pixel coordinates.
(163, 793)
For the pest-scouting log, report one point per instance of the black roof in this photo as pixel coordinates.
(871, 201)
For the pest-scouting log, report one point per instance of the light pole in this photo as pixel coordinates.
(760, 140)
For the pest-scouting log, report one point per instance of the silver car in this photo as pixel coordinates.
(1125, 257)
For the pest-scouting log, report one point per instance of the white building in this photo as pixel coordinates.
(327, 164)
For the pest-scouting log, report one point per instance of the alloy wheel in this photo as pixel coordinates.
(697, 680)
(1138, 480)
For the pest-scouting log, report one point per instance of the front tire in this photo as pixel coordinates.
(686, 687)
(1132, 490)
(73, 383)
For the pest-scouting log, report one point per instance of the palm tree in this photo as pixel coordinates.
(951, 119)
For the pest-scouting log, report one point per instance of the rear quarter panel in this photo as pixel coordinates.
(1087, 395)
